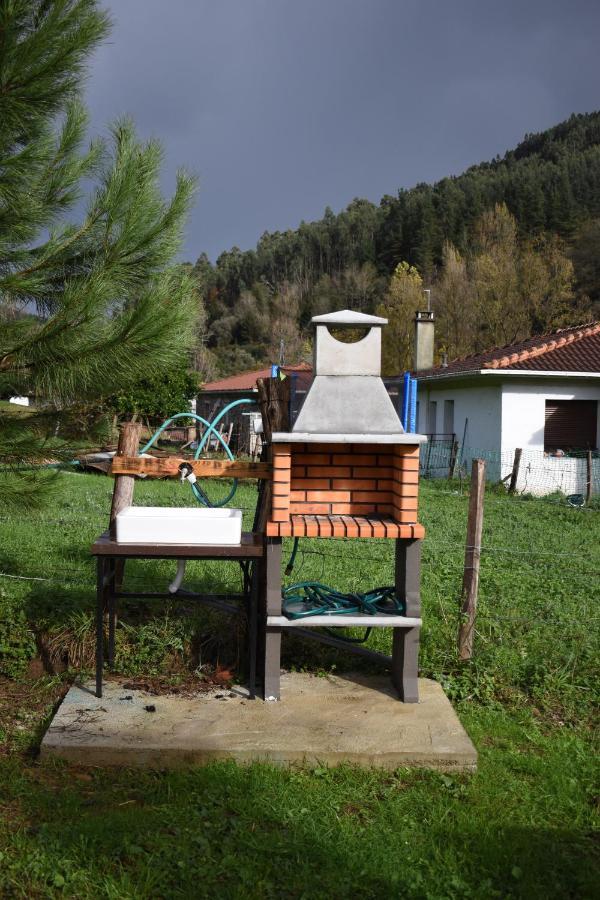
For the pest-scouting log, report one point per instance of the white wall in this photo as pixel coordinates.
(479, 406)
(524, 408)
(482, 407)
(523, 420)
(540, 474)
(502, 417)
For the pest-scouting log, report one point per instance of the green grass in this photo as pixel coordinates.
(522, 826)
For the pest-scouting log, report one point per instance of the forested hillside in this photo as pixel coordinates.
(509, 247)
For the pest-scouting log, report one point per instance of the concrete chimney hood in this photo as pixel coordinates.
(347, 402)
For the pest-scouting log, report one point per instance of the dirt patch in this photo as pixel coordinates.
(184, 686)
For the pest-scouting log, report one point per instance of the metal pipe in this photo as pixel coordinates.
(179, 576)
(405, 400)
(413, 406)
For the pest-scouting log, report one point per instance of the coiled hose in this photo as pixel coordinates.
(197, 491)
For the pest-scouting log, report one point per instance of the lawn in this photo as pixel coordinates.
(522, 826)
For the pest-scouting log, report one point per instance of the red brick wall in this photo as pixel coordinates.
(337, 479)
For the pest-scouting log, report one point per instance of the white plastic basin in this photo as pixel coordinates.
(178, 525)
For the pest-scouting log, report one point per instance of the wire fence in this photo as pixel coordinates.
(539, 473)
(365, 561)
(513, 565)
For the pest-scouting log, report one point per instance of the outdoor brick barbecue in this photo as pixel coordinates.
(349, 470)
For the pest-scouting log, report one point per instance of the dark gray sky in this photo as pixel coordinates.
(282, 107)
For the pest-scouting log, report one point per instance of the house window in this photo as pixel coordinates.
(571, 425)
(448, 417)
(431, 417)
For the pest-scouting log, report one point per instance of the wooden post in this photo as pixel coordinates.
(472, 557)
(514, 476)
(589, 468)
(129, 442)
(453, 458)
(274, 401)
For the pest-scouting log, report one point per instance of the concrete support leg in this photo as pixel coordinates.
(405, 648)
(271, 643)
(405, 663)
(272, 689)
(253, 591)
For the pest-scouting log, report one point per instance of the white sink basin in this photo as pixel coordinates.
(179, 525)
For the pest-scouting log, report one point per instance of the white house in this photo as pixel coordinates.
(541, 395)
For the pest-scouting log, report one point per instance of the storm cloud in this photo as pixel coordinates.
(283, 107)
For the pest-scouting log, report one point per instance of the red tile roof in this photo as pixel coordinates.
(568, 350)
(246, 381)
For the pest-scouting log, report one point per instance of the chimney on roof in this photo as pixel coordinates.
(424, 336)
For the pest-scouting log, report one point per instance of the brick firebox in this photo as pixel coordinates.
(345, 490)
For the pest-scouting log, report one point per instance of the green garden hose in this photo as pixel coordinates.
(211, 428)
(311, 598)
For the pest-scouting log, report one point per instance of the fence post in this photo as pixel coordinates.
(129, 445)
(129, 442)
(472, 557)
(274, 403)
(515, 471)
(453, 458)
(589, 465)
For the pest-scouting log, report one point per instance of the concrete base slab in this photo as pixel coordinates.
(320, 721)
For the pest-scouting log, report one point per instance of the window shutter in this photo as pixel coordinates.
(571, 425)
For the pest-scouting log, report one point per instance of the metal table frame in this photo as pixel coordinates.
(110, 560)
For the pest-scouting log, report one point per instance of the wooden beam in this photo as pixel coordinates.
(168, 467)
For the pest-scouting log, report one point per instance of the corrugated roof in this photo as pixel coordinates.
(246, 381)
(568, 350)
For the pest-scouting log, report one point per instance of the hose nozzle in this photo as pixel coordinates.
(186, 473)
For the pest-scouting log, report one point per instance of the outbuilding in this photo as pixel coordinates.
(540, 395)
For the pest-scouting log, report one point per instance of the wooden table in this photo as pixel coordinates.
(250, 554)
